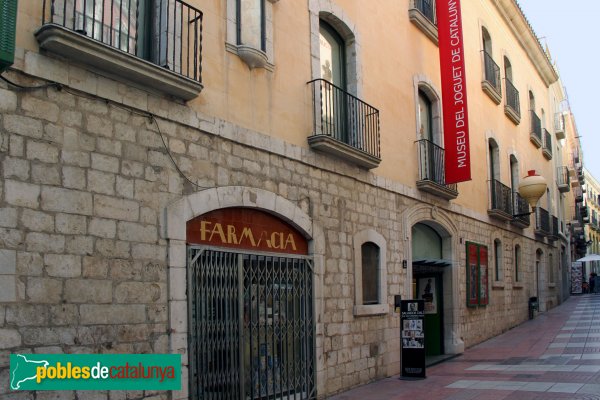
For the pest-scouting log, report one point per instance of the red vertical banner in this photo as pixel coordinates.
(472, 275)
(457, 161)
(484, 295)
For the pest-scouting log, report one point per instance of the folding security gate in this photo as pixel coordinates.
(251, 326)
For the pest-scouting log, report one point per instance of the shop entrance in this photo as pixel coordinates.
(431, 275)
(250, 312)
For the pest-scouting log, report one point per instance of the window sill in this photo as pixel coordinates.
(499, 285)
(424, 24)
(518, 285)
(371, 309)
(254, 58)
(119, 64)
(512, 114)
(491, 91)
(443, 191)
(551, 285)
(342, 150)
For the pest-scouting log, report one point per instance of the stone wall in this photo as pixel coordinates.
(85, 184)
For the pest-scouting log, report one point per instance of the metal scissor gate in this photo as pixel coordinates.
(251, 326)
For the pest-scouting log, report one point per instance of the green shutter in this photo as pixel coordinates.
(8, 27)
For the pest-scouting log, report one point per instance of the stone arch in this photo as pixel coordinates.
(423, 84)
(441, 221)
(173, 229)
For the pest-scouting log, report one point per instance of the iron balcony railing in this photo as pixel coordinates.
(562, 176)
(542, 220)
(521, 208)
(512, 97)
(492, 72)
(547, 141)
(345, 117)
(555, 229)
(431, 163)
(427, 8)
(167, 33)
(501, 197)
(536, 126)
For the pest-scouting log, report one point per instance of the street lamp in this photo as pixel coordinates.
(531, 188)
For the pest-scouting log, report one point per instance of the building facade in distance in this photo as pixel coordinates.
(250, 183)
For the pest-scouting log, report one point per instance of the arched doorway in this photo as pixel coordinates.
(250, 303)
(432, 282)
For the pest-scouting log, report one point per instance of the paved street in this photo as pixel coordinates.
(554, 356)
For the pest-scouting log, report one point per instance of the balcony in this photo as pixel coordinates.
(158, 50)
(553, 228)
(547, 149)
(578, 193)
(512, 109)
(542, 222)
(344, 126)
(500, 201)
(520, 207)
(594, 223)
(559, 125)
(535, 131)
(563, 180)
(431, 171)
(422, 14)
(491, 78)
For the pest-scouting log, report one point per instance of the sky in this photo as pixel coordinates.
(571, 30)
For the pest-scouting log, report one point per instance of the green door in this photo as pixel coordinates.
(429, 288)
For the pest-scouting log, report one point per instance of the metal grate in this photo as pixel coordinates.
(251, 326)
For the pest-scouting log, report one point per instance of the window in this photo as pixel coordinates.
(498, 273)
(370, 274)
(124, 35)
(536, 123)
(491, 70)
(517, 263)
(250, 31)
(512, 109)
(429, 141)
(551, 271)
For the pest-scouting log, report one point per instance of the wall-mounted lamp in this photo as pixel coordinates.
(531, 188)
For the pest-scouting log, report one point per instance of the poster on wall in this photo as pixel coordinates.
(577, 277)
(427, 294)
(484, 296)
(412, 349)
(477, 275)
(472, 275)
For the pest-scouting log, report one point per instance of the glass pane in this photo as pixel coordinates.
(251, 23)
(370, 273)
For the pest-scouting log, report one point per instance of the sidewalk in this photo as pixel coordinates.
(555, 356)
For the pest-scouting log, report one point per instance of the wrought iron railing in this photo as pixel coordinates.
(521, 208)
(492, 72)
(431, 163)
(536, 126)
(500, 197)
(547, 141)
(168, 33)
(542, 220)
(562, 176)
(345, 117)
(512, 97)
(427, 8)
(554, 226)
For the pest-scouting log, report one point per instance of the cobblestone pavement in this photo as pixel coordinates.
(555, 356)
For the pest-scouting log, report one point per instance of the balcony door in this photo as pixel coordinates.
(333, 70)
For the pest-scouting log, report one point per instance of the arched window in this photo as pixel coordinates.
(517, 263)
(498, 273)
(332, 55)
(370, 275)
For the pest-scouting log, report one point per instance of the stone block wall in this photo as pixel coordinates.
(83, 191)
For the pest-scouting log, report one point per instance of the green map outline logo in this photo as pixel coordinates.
(17, 363)
(95, 372)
